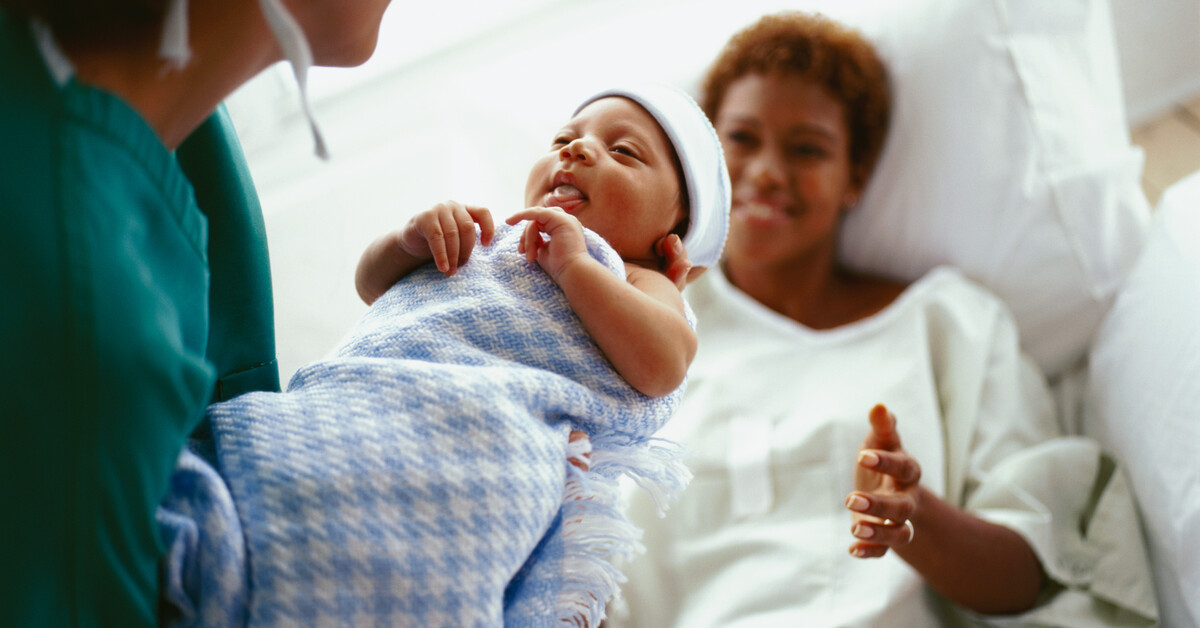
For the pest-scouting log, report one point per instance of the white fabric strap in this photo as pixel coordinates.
(174, 45)
(175, 49)
(57, 62)
(295, 47)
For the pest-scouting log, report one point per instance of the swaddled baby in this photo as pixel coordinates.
(423, 475)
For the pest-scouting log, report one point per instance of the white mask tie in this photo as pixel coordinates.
(174, 46)
(295, 48)
(288, 34)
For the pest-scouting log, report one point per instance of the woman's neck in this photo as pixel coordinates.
(816, 292)
(174, 101)
(795, 288)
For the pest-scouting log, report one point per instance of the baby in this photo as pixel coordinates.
(423, 475)
(614, 170)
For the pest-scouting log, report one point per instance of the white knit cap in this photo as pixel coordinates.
(701, 158)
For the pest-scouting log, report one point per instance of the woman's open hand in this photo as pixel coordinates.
(886, 482)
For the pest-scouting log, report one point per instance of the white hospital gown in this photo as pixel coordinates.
(773, 418)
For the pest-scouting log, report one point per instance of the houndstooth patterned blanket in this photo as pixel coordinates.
(421, 476)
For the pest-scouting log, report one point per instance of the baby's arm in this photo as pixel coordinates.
(638, 322)
(444, 233)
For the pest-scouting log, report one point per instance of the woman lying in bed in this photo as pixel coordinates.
(959, 491)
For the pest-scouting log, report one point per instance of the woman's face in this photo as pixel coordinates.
(340, 32)
(786, 146)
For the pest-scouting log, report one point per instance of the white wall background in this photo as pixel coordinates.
(1158, 43)
(462, 95)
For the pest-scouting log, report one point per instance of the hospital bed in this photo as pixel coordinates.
(1009, 157)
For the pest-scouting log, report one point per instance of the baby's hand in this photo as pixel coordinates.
(886, 480)
(446, 233)
(565, 246)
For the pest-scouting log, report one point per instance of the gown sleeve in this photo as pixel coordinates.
(1063, 494)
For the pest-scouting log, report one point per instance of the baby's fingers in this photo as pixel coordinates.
(483, 217)
(899, 465)
(431, 230)
(531, 241)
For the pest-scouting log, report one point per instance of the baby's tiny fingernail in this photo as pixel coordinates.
(862, 531)
(858, 552)
(868, 459)
(857, 502)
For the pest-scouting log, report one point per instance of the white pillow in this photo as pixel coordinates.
(1010, 158)
(1143, 396)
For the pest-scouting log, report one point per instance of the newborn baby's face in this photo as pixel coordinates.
(612, 167)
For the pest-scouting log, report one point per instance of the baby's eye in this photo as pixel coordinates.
(623, 150)
(560, 141)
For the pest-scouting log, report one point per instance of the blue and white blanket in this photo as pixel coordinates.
(421, 476)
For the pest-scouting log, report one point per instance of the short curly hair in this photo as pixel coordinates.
(819, 49)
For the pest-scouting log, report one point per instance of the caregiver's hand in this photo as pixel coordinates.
(676, 265)
(444, 233)
(887, 490)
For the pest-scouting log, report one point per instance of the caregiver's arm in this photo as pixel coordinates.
(638, 323)
(444, 233)
(980, 565)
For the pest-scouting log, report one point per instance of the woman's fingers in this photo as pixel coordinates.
(891, 533)
(867, 550)
(882, 507)
(883, 429)
(874, 538)
(902, 467)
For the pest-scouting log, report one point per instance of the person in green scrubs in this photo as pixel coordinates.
(134, 280)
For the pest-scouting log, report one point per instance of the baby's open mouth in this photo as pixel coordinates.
(565, 193)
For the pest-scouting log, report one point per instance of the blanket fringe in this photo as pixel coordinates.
(595, 528)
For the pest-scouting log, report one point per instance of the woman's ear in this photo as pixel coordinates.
(858, 181)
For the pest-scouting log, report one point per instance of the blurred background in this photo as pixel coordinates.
(462, 95)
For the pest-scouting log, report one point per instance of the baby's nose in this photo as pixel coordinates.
(579, 149)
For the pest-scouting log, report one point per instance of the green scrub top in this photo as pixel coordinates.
(134, 290)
